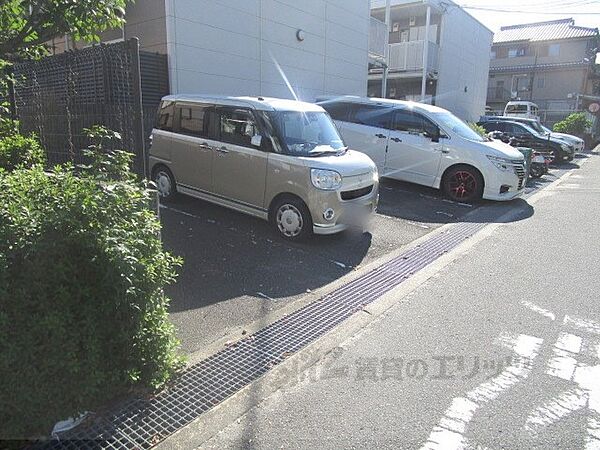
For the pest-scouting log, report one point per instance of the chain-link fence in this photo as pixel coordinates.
(59, 96)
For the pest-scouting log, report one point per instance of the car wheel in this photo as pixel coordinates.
(558, 156)
(291, 219)
(536, 172)
(165, 183)
(463, 184)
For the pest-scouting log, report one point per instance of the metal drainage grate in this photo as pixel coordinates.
(144, 423)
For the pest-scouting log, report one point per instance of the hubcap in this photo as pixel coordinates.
(163, 184)
(289, 220)
(462, 185)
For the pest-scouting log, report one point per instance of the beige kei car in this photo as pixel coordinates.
(280, 160)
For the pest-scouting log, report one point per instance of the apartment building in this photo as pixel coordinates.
(549, 63)
(255, 47)
(449, 54)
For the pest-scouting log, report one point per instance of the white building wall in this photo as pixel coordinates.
(464, 64)
(229, 47)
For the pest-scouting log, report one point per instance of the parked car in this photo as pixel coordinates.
(280, 160)
(528, 110)
(577, 143)
(526, 136)
(428, 145)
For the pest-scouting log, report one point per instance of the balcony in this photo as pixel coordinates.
(378, 38)
(408, 56)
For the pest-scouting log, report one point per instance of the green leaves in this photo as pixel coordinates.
(26, 25)
(19, 151)
(576, 124)
(83, 315)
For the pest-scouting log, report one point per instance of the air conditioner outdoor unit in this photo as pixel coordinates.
(412, 21)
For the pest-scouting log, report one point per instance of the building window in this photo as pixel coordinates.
(493, 54)
(516, 52)
(541, 82)
(554, 50)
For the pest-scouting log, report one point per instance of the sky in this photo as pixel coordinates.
(585, 12)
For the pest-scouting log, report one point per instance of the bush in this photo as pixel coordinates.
(576, 124)
(478, 129)
(83, 316)
(17, 150)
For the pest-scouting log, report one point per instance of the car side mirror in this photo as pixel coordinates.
(256, 140)
(433, 134)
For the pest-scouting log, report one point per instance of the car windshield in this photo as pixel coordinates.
(305, 133)
(449, 121)
(536, 126)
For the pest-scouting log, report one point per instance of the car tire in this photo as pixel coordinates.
(463, 184)
(165, 183)
(291, 219)
(558, 156)
(536, 172)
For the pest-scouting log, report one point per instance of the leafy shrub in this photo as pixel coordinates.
(17, 150)
(576, 124)
(83, 316)
(478, 129)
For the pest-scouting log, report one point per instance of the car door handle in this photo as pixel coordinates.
(395, 139)
(444, 150)
(222, 150)
(380, 135)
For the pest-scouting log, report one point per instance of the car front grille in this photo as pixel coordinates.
(520, 171)
(357, 193)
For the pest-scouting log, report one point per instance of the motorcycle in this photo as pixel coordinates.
(540, 161)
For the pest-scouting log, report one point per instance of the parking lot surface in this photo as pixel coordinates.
(237, 271)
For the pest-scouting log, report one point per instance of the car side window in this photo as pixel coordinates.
(407, 121)
(337, 110)
(370, 115)
(494, 126)
(165, 116)
(237, 126)
(195, 120)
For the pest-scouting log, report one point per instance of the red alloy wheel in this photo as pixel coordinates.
(462, 185)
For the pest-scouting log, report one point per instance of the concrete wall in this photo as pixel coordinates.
(230, 47)
(464, 63)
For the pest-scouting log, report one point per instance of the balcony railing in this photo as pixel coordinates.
(408, 56)
(378, 38)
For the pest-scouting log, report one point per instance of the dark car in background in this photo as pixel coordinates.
(526, 136)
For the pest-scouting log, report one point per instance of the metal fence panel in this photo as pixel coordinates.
(58, 96)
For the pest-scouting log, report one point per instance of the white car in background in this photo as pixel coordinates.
(430, 146)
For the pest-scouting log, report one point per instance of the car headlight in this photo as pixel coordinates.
(328, 180)
(504, 164)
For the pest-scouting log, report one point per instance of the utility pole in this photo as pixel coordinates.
(425, 54)
(386, 50)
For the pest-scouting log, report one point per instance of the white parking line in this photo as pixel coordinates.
(556, 409)
(587, 325)
(538, 309)
(449, 433)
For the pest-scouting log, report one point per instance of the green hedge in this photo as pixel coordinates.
(83, 316)
(20, 151)
(575, 124)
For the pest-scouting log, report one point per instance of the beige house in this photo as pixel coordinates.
(548, 63)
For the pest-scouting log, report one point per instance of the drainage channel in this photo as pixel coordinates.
(143, 423)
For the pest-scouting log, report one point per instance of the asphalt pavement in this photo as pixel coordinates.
(237, 271)
(499, 349)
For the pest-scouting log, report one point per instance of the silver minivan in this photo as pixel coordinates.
(280, 160)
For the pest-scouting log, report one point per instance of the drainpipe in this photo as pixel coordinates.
(425, 55)
(386, 50)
